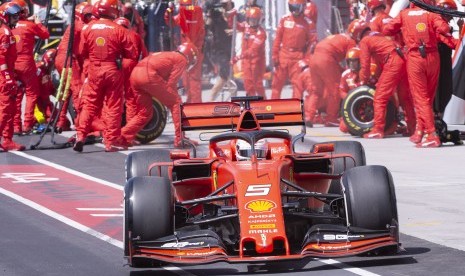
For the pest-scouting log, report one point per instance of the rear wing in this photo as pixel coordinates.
(225, 115)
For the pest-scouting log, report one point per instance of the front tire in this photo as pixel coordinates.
(370, 197)
(148, 211)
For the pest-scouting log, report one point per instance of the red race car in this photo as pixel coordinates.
(253, 198)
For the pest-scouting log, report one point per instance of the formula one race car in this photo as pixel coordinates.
(253, 198)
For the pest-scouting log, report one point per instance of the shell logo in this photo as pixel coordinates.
(268, 108)
(421, 27)
(17, 38)
(262, 205)
(100, 41)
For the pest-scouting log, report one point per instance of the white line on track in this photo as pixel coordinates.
(348, 268)
(117, 243)
(62, 218)
(100, 209)
(68, 170)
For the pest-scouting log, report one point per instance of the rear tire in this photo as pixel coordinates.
(353, 148)
(371, 198)
(155, 127)
(148, 212)
(138, 162)
(358, 111)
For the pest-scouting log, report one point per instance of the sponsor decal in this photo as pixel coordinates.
(263, 231)
(258, 190)
(16, 38)
(215, 179)
(264, 216)
(262, 226)
(331, 237)
(289, 24)
(101, 27)
(181, 244)
(261, 205)
(275, 150)
(182, 253)
(421, 27)
(331, 247)
(100, 41)
(219, 110)
(256, 221)
(263, 236)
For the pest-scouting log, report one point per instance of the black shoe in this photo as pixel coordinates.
(78, 146)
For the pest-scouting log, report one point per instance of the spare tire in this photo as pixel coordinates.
(358, 111)
(154, 128)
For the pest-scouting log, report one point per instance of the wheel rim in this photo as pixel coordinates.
(363, 110)
(160, 117)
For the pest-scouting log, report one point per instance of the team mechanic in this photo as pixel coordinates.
(25, 33)
(103, 42)
(421, 32)
(9, 15)
(157, 76)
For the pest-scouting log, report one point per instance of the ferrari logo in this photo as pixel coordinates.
(268, 108)
(100, 41)
(17, 38)
(421, 27)
(258, 206)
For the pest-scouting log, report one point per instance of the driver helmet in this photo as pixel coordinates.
(254, 15)
(353, 59)
(244, 150)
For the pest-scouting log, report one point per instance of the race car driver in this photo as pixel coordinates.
(103, 42)
(384, 51)
(190, 20)
(157, 76)
(9, 16)
(291, 44)
(25, 33)
(420, 31)
(253, 52)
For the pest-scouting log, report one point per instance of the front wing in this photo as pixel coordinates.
(205, 246)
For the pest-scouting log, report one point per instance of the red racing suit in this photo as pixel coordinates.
(190, 20)
(304, 83)
(253, 59)
(326, 72)
(25, 67)
(311, 14)
(156, 76)
(46, 90)
(384, 52)
(103, 42)
(349, 80)
(76, 66)
(419, 31)
(290, 45)
(377, 21)
(132, 108)
(8, 88)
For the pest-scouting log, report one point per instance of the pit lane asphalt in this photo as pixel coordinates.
(429, 186)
